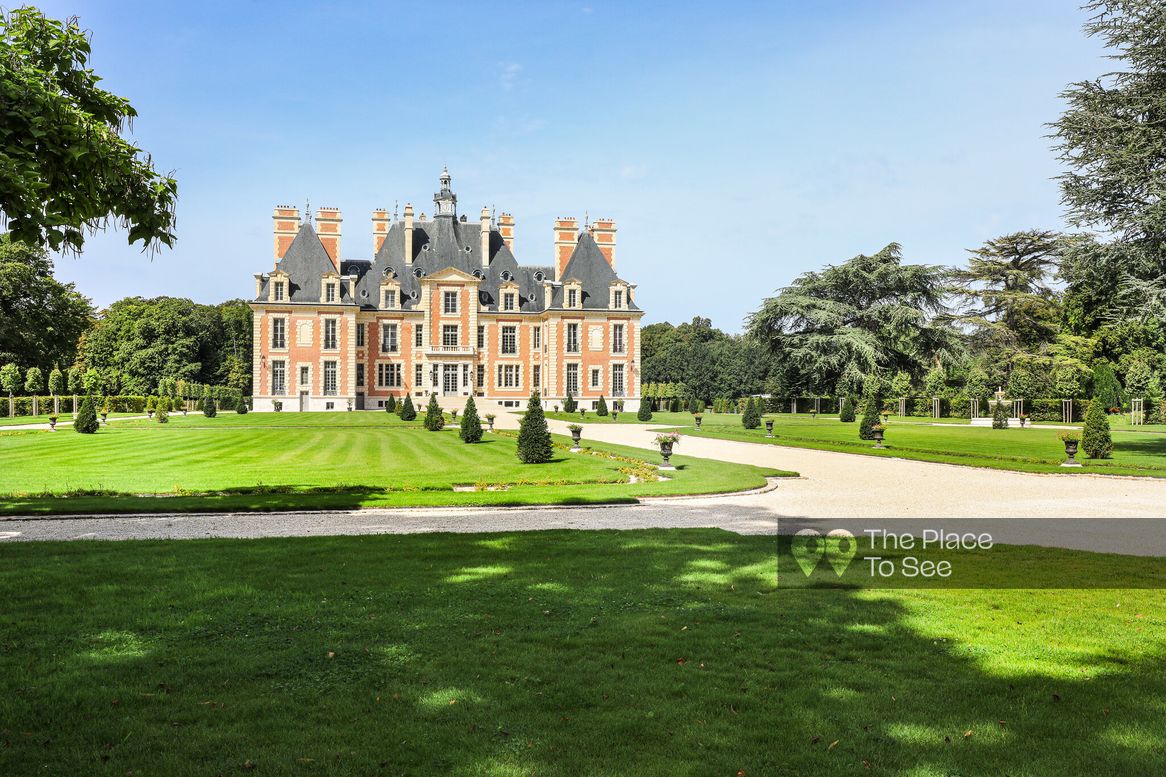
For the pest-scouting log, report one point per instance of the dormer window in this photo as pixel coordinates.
(617, 299)
(390, 298)
(572, 298)
(508, 300)
(329, 292)
(277, 291)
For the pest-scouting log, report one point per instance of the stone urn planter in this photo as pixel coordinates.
(277, 406)
(769, 428)
(877, 431)
(886, 416)
(576, 434)
(697, 419)
(582, 413)
(52, 423)
(490, 420)
(149, 414)
(104, 415)
(1072, 441)
(666, 441)
(614, 415)
(1023, 421)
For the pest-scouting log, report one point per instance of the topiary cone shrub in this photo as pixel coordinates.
(751, 418)
(846, 414)
(870, 419)
(471, 428)
(391, 404)
(601, 408)
(408, 412)
(534, 440)
(86, 422)
(645, 411)
(999, 416)
(208, 406)
(241, 408)
(434, 420)
(1095, 439)
(569, 404)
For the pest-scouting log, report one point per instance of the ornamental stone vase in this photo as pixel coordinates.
(576, 435)
(490, 421)
(666, 454)
(52, 424)
(878, 438)
(1071, 452)
(769, 428)
(697, 419)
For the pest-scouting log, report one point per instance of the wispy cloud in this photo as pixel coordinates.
(508, 74)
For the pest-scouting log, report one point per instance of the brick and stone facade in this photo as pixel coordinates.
(442, 307)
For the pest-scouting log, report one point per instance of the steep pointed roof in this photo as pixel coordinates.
(590, 267)
(305, 261)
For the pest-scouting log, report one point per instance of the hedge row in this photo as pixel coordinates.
(23, 406)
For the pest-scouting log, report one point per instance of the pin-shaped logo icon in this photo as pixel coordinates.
(807, 548)
(840, 549)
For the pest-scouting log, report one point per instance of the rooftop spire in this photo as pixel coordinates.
(445, 200)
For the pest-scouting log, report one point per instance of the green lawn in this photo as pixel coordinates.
(558, 653)
(271, 461)
(64, 420)
(1034, 449)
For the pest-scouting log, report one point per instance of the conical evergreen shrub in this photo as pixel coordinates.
(569, 404)
(434, 420)
(846, 414)
(751, 418)
(86, 422)
(391, 404)
(241, 408)
(208, 406)
(645, 411)
(999, 416)
(534, 440)
(408, 412)
(1095, 440)
(601, 408)
(471, 428)
(870, 417)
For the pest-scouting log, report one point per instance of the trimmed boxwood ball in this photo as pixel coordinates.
(434, 420)
(601, 408)
(470, 429)
(86, 422)
(569, 404)
(208, 406)
(645, 411)
(999, 416)
(1095, 440)
(751, 418)
(846, 415)
(408, 412)
(534, 440)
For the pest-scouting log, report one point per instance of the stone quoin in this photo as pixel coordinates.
(442, 307)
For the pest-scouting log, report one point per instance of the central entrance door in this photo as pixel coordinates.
(449, 385)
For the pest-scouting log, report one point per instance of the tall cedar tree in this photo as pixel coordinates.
(1095, 439)
(601, 408)
(470, 429)
(569, 404)
(846, 414)
(645, 411)
(434, 419)
(86, 422)
(1000, 416)
(408, 412)
(534, 440)
(208, 406)
(751, 418)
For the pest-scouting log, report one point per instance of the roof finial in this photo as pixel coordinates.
(395, 202)
(308, 210)
(586, 220)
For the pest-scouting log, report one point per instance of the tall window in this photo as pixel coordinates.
(279, 377)
(617, 344)
(277, 294)
(305, 377)
(617, 383)
(481, 376)
(279, 333)
(572, 338)
(508, 301)
(389, 338)
(449, 334)
(595, 377)
(390, 298)
(572, 297)
(418, 376)
(536, 377)
(509, 340)
(360, 335)
(329, 379)
(389, 375)
(418, 335)
(536, 337)
(481, 336)
(573, 379)
(330, 333)
(618, 298)
(360, 374)
(449, 302)
(329, 292)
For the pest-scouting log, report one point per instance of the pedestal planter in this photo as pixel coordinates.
(490, 421)
(614, 415)
(1071, 453)
(103, 418)
(1023, 421)
(697, 419)
(576, 435)
(878, 438)
(769, 428)
(52, 423)
(149, 414)
(666, 441)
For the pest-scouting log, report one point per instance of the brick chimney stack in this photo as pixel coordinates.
(603, 231)
(485, 237)
(506, 229)
(380, 228)
(287, 223)
(408, 233)
(566, 236)
(328, 222)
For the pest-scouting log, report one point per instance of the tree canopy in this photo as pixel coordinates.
(65, 168)
(41, 318)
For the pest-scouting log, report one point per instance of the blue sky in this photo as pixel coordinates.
(736, 146)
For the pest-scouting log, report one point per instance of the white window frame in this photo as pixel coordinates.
(567, 369)
(446, 296)
(335, 389)
(513, 335)
(334, 324)
(457, 335)
(278, 376)
(395, 344)
(622, 340)
(572, 326)
(282, 320)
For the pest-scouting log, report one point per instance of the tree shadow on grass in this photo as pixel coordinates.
(599, 653)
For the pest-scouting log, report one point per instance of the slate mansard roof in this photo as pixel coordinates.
(440, 243)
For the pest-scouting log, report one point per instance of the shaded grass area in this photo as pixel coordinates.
(198, 464)
(1034, 449)
(555, 653)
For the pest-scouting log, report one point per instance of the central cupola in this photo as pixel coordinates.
(445, 201)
